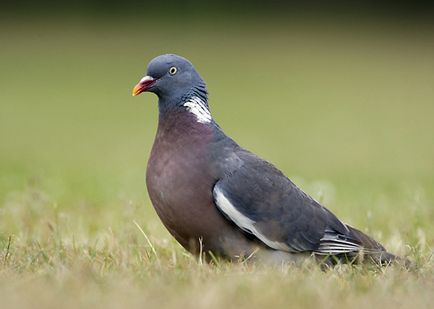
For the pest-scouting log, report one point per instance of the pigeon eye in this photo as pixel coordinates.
(173, 70)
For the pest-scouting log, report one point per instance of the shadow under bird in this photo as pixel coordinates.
(215, 196)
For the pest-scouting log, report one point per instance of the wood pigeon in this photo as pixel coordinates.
(217, 197)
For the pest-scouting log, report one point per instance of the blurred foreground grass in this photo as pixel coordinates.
(347, 113)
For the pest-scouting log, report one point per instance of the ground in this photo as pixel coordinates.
(345, 113)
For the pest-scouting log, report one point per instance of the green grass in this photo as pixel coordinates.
(347, 113)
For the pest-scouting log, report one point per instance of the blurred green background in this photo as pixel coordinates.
(340, 97)
(342, 103)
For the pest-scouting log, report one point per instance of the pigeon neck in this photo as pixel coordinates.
(194, 103)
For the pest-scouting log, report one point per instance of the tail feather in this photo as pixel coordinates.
(374, 251)
(354, 246)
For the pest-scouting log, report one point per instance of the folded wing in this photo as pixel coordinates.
(263, 202)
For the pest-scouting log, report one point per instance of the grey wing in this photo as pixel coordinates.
(262, 201)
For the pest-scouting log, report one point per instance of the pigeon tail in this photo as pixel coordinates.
(373, 250)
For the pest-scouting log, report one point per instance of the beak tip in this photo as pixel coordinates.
(136, 90)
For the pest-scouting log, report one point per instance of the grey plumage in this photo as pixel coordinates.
(203, 185)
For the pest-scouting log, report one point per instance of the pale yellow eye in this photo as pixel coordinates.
(173, 70)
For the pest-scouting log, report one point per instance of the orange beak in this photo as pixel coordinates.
(144, 85)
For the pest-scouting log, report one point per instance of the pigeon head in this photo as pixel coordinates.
(170, 77)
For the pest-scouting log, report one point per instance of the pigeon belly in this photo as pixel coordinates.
(180, 187)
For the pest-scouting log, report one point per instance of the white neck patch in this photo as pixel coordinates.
(197, 106)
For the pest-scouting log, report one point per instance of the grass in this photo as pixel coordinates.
(345, 112)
